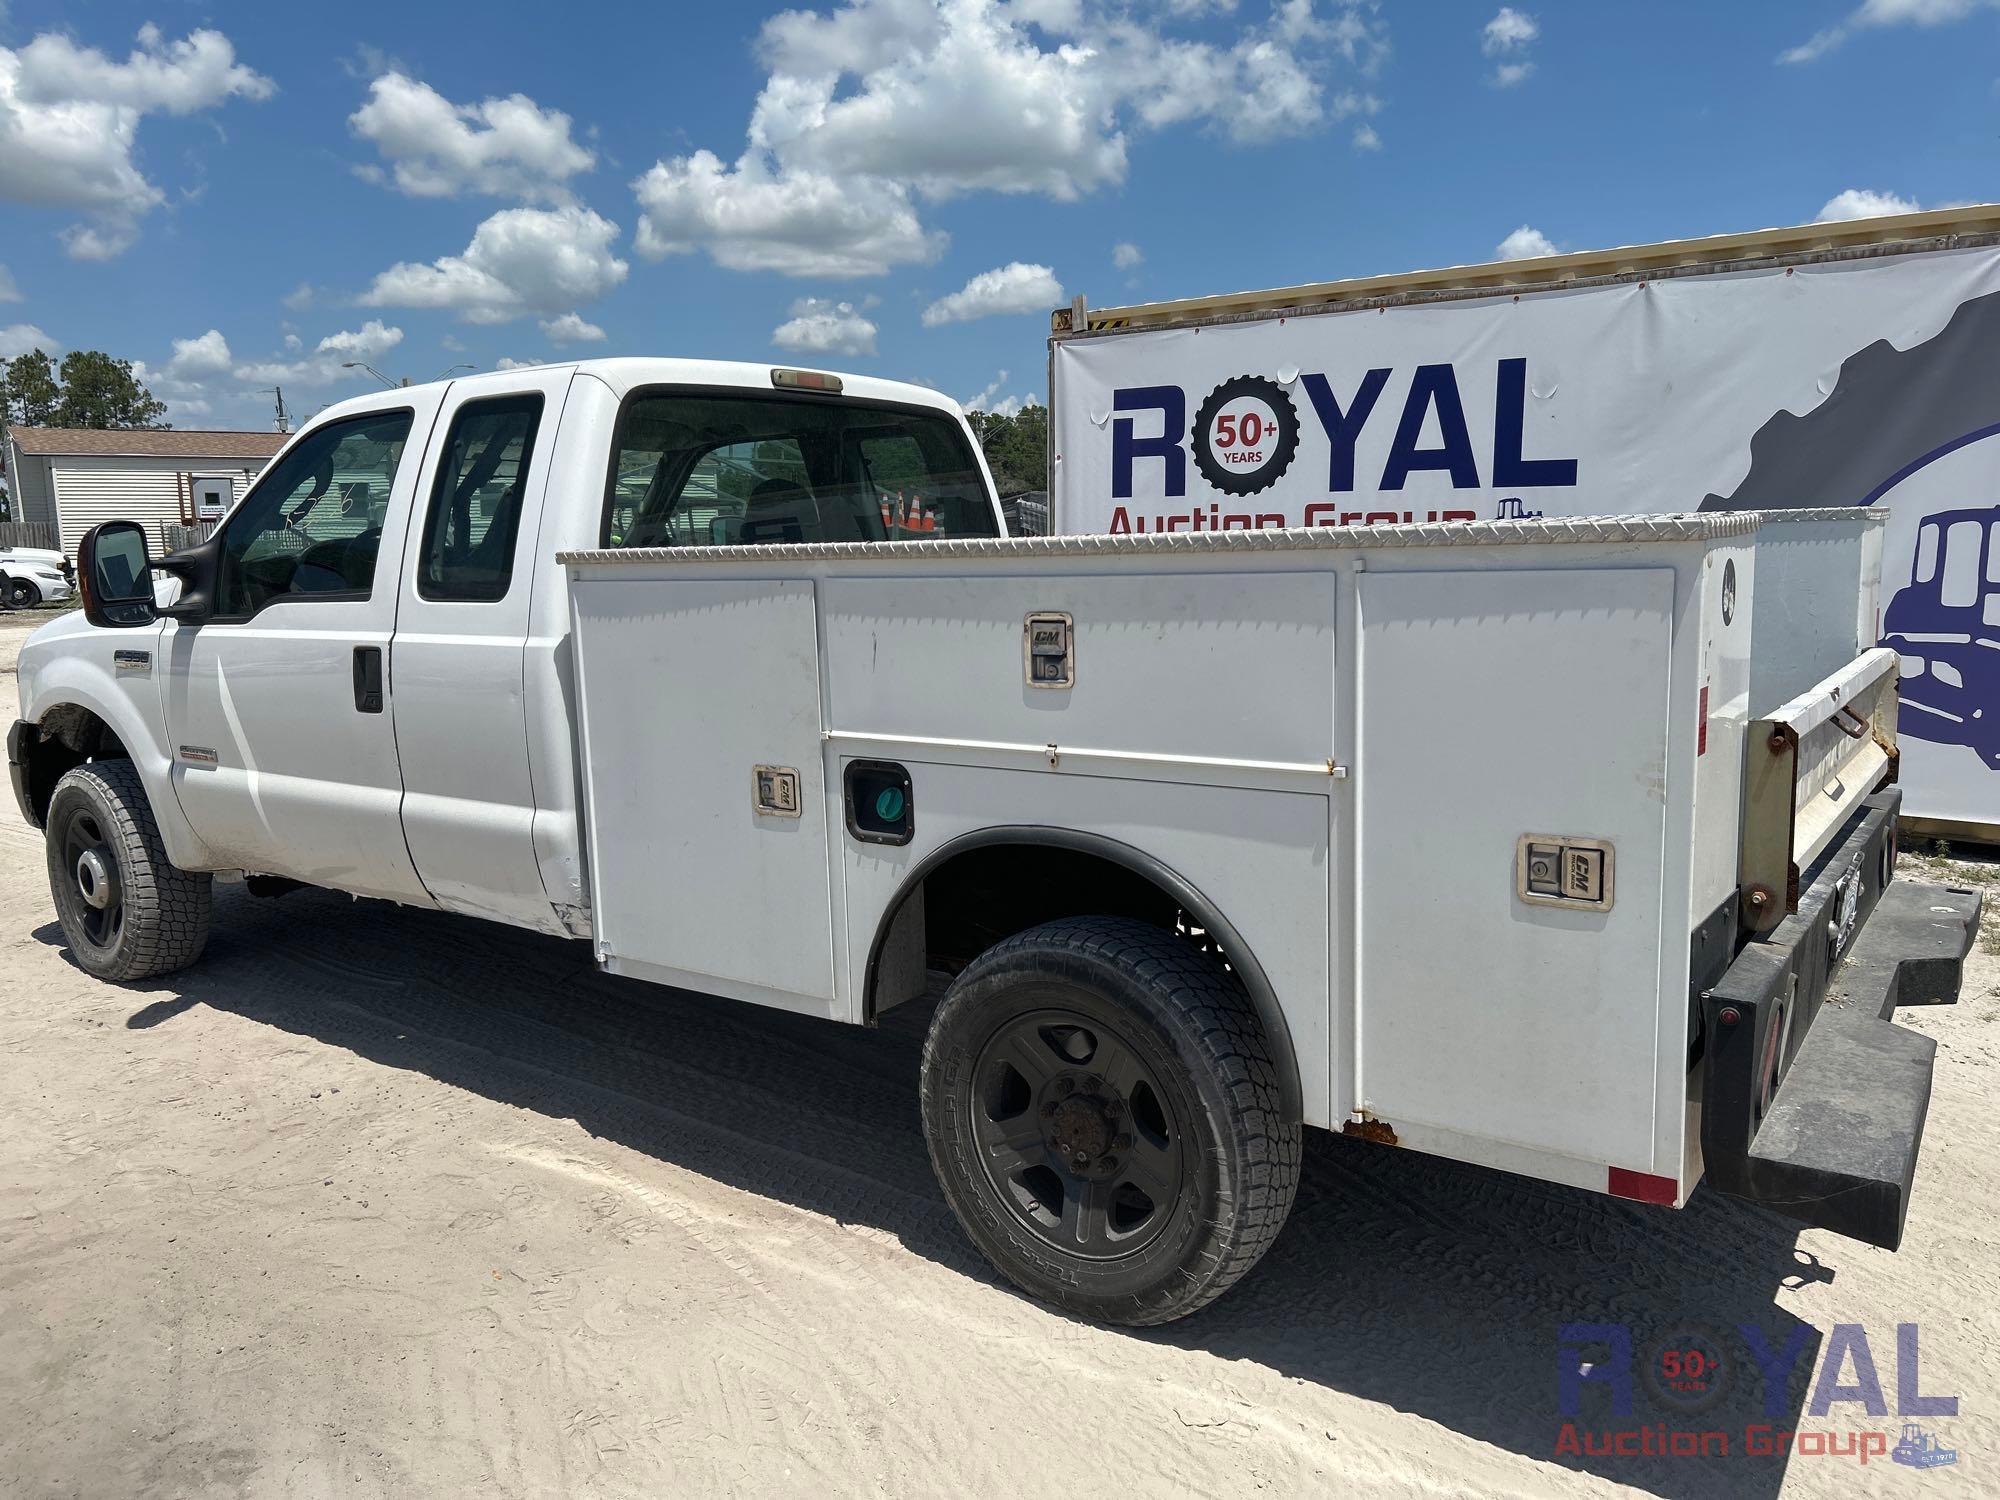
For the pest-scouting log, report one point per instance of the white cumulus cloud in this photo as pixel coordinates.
(1525, 243)
(1864, 203)
(753, 217)
(330, 355)
(70, 116)
(1508, 31)
(1882, 13)
(1125, 256)
(506, 147)
(572, 328)
(18, 338)
(819, 326)
(991, 399)
(520, 261)
(1013, 288)
(876, 106)
(197, 358)
(1506, 38)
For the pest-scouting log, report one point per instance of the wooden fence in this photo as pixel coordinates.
(29, 534)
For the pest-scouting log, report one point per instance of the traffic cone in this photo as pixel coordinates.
(888, 517)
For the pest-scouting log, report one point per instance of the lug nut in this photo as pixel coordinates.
(1092, 1084)
(1114, 1105)
(1122, 1143)
(1107, 1162)
(1065, 1085)
(1049, 1111)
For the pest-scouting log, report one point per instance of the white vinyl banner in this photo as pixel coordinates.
(1872, 381)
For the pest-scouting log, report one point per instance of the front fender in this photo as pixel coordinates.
(69, 663)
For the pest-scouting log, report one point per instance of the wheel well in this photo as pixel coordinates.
(976, 890)
(67, 736)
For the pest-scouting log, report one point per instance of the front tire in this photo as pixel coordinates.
(1105, 1119)
(22, 593)
(126, 911)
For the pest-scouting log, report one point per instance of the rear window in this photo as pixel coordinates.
(704, 469)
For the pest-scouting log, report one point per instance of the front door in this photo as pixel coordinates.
(277, 708)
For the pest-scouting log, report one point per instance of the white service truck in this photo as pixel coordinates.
(1534, 844)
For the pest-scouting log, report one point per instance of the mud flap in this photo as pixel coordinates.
(1813, 1103)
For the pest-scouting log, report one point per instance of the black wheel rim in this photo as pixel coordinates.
(92, 871)
(1078, 1136)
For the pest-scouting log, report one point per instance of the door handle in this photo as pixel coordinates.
(368, 679)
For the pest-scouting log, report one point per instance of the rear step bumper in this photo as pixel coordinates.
(1813, 1103)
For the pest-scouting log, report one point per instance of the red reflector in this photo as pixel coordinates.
(1701, 734)
(1642, 1187)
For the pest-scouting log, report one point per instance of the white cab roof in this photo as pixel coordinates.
(625, 375)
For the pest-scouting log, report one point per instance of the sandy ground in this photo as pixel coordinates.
(378, 1202)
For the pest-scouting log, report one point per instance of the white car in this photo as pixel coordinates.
(33, 576)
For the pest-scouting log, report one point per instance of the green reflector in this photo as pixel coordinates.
(889, 804)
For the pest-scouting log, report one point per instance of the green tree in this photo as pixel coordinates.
(29, 394)
(99, 391)
(1016, 447)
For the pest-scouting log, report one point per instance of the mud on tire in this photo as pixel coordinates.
(1105, 1118)
(126, 912)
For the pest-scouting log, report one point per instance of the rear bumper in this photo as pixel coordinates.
(1813, 1103)
(17, 770)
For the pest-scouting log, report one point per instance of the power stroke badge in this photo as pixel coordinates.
(1245, 435)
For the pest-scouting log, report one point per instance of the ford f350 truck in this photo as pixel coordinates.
(1535, 844)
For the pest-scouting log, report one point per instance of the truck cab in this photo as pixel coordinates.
(411, 535)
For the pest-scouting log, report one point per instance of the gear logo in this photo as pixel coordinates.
(1246, 435)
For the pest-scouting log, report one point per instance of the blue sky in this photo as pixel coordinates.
(237, 197)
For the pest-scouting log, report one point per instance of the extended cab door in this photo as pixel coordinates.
(459, 654)
(277, 707)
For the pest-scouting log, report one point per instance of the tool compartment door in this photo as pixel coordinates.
(1497, 704)
(688, 686)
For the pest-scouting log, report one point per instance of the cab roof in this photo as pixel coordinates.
(623, 376)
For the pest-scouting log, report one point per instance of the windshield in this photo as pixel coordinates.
(709, 469)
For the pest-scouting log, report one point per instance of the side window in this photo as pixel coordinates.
(475, 512)
(313, 523)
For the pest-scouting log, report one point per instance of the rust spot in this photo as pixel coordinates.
(1378, 1131)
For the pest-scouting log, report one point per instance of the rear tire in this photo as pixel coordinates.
(1106, 1121)
(126, 911)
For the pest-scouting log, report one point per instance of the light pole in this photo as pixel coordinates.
(450, 369)
(358, 364)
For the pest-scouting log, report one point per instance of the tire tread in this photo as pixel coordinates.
(167, 909)
(1215, 1020)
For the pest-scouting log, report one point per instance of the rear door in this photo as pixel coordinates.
(459, 654)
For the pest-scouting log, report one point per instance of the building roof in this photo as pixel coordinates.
(145, 443)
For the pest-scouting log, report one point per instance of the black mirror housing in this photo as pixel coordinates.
(115, 576)
(197, 567)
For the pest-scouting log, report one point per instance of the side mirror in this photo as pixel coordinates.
(115, 574)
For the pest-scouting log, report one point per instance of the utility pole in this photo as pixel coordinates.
(284, 420)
